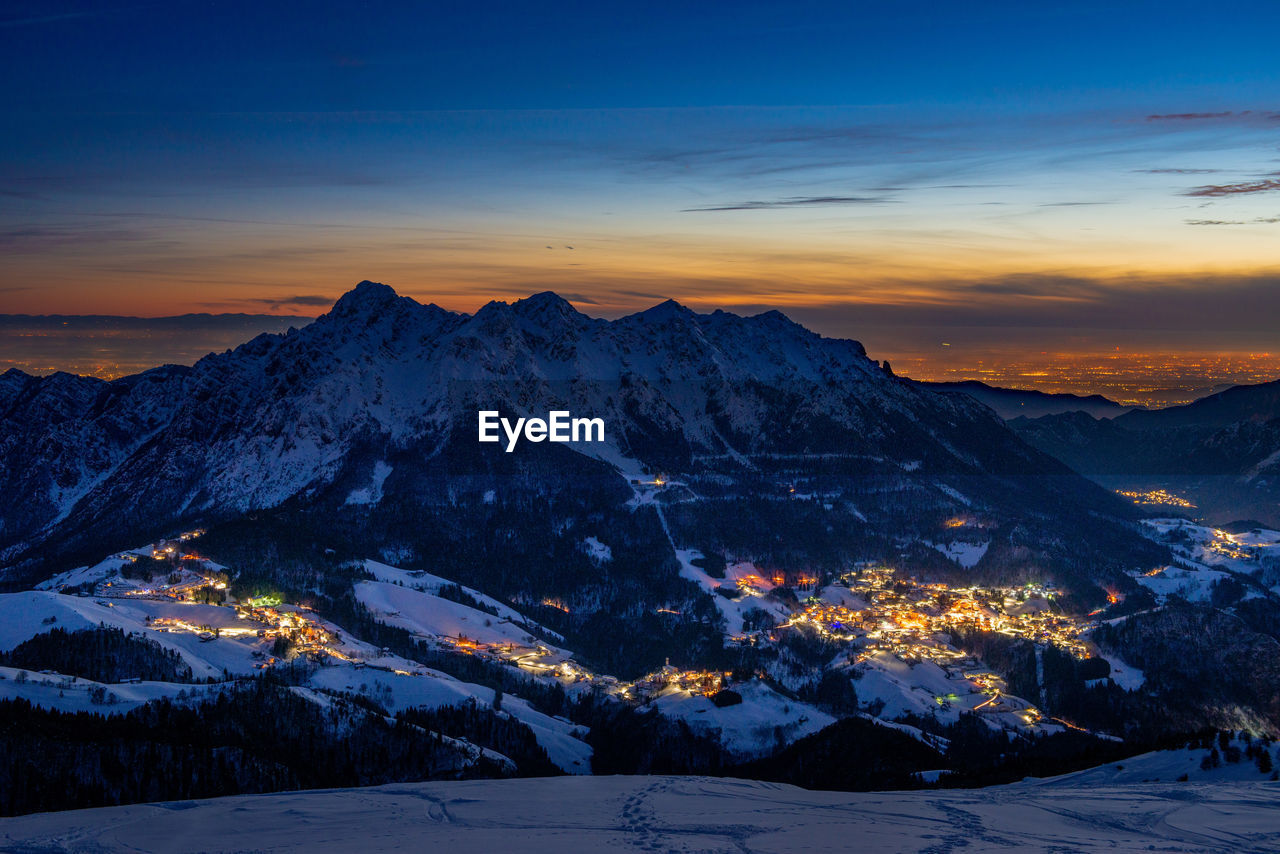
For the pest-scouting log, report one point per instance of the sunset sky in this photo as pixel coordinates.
(1101, 171)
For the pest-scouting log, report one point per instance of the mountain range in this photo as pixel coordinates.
(375, 402)
(1011, 403)
(1223, 451)
(781, 560)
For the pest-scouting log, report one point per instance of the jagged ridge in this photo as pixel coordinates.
(278, 417)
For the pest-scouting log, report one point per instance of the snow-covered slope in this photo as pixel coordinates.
(1238, 762)
(425, 614)
(24, 615)
(72, 694)
(745, 580)
(393, 682)
(552, 816)
(764, 720)
(428, 583)
(398, 691)
(1207, 556)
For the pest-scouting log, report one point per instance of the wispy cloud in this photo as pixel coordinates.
(35, 237)
(1169, 117)
(794, 202)
(1261, 220)
(57, 18)
(1206, 303)
(643, 295)
(296, 301)
(1265, 185)
(34, 20)
(1177, 171)
(1225, 115)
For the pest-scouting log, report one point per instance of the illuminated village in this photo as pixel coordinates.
(1156, 498)
(902, 631)
(879, 620)
(914, 620)
(704, 682)
(891, 625)
(533, 658)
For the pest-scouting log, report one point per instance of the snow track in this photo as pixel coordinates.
(675, 814)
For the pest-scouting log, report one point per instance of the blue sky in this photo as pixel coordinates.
(1091, 164)
(264, 56)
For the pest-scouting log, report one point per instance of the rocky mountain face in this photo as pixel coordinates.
(1222, 450)
(373, 408)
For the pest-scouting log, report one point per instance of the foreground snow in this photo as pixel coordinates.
(675, 814)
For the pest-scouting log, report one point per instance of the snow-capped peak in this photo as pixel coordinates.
(281, 415)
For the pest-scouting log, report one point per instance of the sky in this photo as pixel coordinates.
(1077, 176)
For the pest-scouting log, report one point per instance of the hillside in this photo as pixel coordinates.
(1223, 451)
